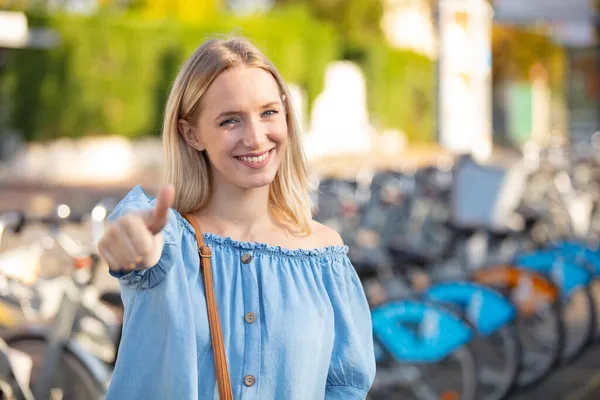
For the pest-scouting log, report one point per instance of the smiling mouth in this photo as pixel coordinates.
(255, 159)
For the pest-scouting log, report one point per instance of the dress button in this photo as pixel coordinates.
(249, 380)
(250, 317)
(246, 258)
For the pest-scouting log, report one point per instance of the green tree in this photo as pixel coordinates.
(357, 21)
(517, 50)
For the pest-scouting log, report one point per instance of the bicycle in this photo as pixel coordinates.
(59, 364)
(390, 211)
(415, 340)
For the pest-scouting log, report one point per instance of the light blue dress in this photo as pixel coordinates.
(309, 335)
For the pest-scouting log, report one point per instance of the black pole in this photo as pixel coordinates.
(568, 65)
(435, 5)
(3, 60)
(597, 48)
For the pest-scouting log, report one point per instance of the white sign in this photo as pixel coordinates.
(13, 29)
(465, 124)
(534, 10)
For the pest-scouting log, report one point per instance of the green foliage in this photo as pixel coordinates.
(112, 72)
(401, 86)
(357, 21)
(298, 45)
(112, 75)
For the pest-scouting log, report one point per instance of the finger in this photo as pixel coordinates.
(138, 235)
(108, 258)
(115, 244)
(160, 214)
(125, 249)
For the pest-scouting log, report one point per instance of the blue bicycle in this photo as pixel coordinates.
(577, 302)
(392, 229)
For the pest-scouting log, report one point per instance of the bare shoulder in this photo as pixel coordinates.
(325, 236)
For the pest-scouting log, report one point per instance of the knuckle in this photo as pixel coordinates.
(128, 221)
(103, 243)
(111, 232)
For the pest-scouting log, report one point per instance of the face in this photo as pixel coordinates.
(242, 126)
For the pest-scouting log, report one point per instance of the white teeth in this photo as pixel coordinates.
(255, 159)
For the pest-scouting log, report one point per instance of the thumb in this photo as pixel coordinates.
(159, 215)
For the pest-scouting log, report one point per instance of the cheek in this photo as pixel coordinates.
(219, 148)
(224, 143)
(280, 133)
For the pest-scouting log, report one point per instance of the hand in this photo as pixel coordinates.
(134, 241)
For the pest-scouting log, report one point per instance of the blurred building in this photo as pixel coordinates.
(572, 25)
(408, 24)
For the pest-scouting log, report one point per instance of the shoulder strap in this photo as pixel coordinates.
(216, 335)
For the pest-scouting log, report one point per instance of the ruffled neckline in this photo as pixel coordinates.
(264, 247)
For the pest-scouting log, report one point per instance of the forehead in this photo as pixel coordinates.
(241, 87)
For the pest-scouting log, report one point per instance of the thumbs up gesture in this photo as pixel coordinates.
(134, 241)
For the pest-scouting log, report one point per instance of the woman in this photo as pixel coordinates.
(295, 321)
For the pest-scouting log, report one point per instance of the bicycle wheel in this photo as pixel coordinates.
(453, 378)
(595, 289)
(539, 324)
(423, 352)
(496, 344)
(580, 254)
(499, 362)
(542, 338)
(72, 380)
(579, 323)
(498, 359)
(578, 306)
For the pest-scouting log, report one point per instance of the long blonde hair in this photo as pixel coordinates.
(189, 170)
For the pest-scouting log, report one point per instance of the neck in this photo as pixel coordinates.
(237, 211)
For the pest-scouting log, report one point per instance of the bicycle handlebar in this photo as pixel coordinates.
(13, 220)
(16, 220)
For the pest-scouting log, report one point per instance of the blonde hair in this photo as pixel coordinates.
(189, 170)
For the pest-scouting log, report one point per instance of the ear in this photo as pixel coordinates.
(189, 134)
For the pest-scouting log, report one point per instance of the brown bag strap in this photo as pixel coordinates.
(216, 335)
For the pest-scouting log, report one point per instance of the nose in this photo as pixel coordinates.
(254, 134)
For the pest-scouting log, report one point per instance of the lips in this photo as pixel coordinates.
(257, 160)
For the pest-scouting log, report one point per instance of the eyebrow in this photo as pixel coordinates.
(233, 112)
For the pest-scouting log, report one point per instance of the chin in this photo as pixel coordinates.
(255, 182)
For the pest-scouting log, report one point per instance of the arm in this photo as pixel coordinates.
(352, 367)
(161, 236)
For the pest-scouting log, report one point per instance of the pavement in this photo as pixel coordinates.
(577, 381)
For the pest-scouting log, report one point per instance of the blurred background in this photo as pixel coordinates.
(468, 121)
(84, 80)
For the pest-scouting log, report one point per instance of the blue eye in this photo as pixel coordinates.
(270, 113)
(228, 122)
